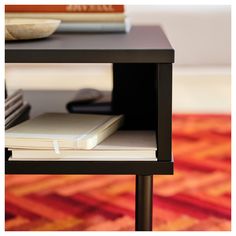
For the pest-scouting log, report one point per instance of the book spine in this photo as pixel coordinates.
(66, 8)
(72, 17)
(13, 100)
(92, 27)
(13, 108)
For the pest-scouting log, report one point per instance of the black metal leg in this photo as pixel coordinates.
(143, 211)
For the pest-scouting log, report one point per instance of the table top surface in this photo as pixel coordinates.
(141, 44)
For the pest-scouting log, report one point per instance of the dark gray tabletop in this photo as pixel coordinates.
(142, 44)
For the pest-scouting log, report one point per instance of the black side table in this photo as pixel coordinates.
(142, 91)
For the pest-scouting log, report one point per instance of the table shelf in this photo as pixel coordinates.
(89, 167)
(121, 141)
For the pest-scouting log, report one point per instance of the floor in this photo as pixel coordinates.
(196, 198)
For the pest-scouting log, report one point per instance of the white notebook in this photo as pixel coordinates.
(122, 145)
(62, 131)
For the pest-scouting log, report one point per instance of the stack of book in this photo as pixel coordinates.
(76, 18)
(16, 109)
(65, 137)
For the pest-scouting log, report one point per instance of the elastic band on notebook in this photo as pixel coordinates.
(56, 146)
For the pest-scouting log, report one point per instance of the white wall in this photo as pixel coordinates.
(200, 34)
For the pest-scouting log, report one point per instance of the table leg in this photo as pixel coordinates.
(144, 195)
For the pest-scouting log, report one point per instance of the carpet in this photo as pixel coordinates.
(196, 197)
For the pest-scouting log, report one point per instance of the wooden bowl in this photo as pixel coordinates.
(23, 29)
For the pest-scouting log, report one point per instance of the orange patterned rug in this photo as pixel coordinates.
(196, 197)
